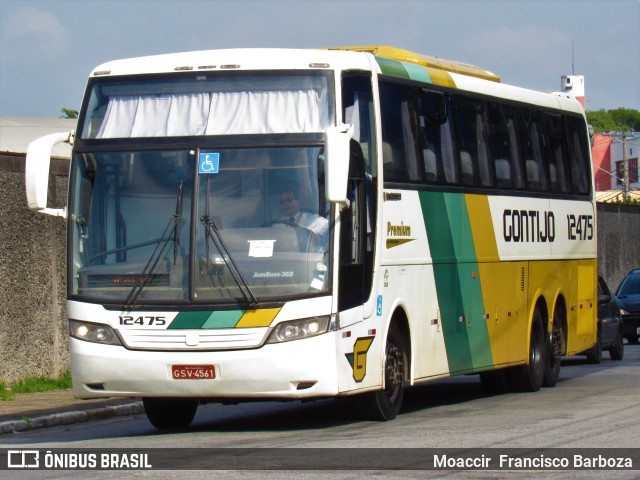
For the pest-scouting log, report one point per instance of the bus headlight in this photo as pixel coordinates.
(93, 332)
(299, 329)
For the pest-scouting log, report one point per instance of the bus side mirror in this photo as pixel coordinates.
(36, 174)
(337, 162)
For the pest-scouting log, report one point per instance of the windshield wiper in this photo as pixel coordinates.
(170, 231)
(212, 232)
(177, 217)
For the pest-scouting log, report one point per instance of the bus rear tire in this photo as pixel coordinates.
(385, 404)
(168, 413)
(529, 377)
(554, 354)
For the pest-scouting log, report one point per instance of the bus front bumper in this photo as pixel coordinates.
(291, 370)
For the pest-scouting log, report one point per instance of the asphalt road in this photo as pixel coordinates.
(593, 406)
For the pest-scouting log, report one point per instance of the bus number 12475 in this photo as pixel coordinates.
(580, 227)
(149, 320)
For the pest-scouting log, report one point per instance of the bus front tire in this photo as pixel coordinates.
(385, 404)
(165, 413)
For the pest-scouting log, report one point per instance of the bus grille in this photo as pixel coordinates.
(189, 340)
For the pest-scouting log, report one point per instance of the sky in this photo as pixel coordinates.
(48, 48)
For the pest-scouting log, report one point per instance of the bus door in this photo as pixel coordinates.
(356, 251)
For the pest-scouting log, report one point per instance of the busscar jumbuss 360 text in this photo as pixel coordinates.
(297, 224)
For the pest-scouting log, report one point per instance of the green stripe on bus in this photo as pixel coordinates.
(189, 320)
(457, 278)
(206, 319)
(439, 235)
(417, 72)
(392, 68)
(224, 319)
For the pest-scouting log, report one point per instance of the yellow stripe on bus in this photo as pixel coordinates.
(440, 77)
(482, 228)
(258, 318)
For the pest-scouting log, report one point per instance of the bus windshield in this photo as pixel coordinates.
(199, 224)
(177, 186)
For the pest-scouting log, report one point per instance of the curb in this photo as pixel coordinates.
(67, 418)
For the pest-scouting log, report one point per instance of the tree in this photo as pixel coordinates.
(627, 118)
(616, 120)
(68, 113)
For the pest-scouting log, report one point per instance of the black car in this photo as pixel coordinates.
(610, 330)
(628, 298)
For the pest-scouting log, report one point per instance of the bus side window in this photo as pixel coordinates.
(555, 141)
(517, 165)
(503, 146)
(486, 169)
(464, 143)
(448, 153)
(579, 163)
(399, 133)
(357, 101)
(435, 136)
(531, 144)
(470, 139)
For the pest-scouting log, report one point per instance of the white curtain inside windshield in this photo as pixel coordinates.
(227, 106)
(213, 114)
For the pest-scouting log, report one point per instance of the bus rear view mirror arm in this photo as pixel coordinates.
(36, 173)
(337, 162)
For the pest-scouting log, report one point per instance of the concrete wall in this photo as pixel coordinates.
(618, 241)
(33, 334)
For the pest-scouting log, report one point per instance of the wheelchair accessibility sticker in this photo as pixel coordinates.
(208, 162)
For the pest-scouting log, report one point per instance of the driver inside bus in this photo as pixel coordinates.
(290, 205)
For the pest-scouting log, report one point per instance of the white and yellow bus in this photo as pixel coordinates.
(298, 224)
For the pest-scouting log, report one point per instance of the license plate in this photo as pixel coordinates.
(193, 372)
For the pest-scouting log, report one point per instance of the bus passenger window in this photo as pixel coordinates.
(531, 142)
(517, 170)
(399, 128)
(435, 136)
(503, 144)
(579, 165)
(357, 101)
(448, 154)
(469, 126)
(556, 153)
